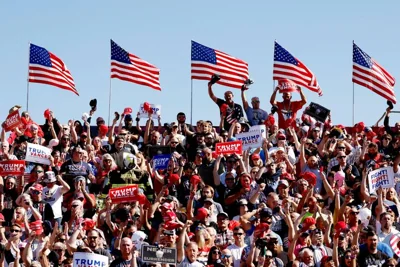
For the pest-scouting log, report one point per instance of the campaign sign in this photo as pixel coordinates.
(153, 254)
(144, 114)
(84, 259)
(381, 178)
(13, 121)
(160, 162)
(228, 148)
(124, 194)
(250, 139)
(12, 167)
(259, 128)
(317, 111)
(38, 154)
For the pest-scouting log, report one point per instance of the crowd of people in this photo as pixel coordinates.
(302, 198)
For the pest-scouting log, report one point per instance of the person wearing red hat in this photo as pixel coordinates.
(287, 109)
(310, 165)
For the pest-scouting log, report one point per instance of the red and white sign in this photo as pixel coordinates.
(287, 86)
(124, 194)
(229, 147)
(13, 121)
(12, 167)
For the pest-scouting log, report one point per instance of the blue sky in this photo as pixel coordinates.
(319, 33)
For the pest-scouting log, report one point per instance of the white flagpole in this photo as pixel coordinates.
(109, 104)
(27, 79)
(353, 96)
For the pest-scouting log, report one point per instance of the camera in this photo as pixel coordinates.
(261, 243)
(215, 78)
(247, 84)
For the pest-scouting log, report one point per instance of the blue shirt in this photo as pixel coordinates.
(256, 116)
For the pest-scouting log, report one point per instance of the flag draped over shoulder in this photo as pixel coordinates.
(207, 61)
(47, 68)
(286, 66)
(368, 73)
(130, 68)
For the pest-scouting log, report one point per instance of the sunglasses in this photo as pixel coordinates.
(10, 183)
(347, 257)
(239, 234)
(223, 256)
(268, 256)
(39, 171)
(74, 206)
(14, 231)
(341, 147)
(35, 192)
(62, 240)
(216, 252)
(174, 143)
(354, 212)
(341, 157)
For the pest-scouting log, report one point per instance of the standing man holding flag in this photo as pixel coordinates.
(225, 70)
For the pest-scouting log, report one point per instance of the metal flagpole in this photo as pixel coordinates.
(191, 101)
(109, 104)
(353, 95)
(273, 59)
(353, 105)
(27, 79)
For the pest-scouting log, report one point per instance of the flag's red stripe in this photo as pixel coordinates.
(223, 75)
(134, 77)
(138, 66)
(374, 74)
(133, 72)
(216, 69)
(224, 82)
(50, 74)
(393, 99)
(133, 80)
(368, 77)
(373, 84)
(32, 80)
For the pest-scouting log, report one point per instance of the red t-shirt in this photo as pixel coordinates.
(287, 112)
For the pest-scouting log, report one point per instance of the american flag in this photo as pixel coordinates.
(47, 68)
(130, 68)
(286, 66)
(207, 61)
(368, 73)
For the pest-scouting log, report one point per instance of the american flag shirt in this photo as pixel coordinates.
(233, 113)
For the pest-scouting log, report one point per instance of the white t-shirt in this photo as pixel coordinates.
(236, 254)
(54, 197)
(186, 263)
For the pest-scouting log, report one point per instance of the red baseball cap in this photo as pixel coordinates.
(37, 187)
(202, 213)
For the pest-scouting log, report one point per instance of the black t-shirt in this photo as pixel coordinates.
(369, 259)
(119, 262)
(234, 113)
(73, 169)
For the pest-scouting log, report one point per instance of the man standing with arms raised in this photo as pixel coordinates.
(287, 109)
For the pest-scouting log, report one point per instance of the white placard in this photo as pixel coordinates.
(259, 128)
(38, 154)
(381, 178)
(83, 259)
(252, 139)
(156, 111)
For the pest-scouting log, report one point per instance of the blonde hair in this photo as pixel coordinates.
(108, 157)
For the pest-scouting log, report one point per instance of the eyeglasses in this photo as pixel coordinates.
(35, 192)
(341, 157)
(238, 234)
(123, 134)
(223, 256)
(15, 230)
(216, 252)
(65, 139)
